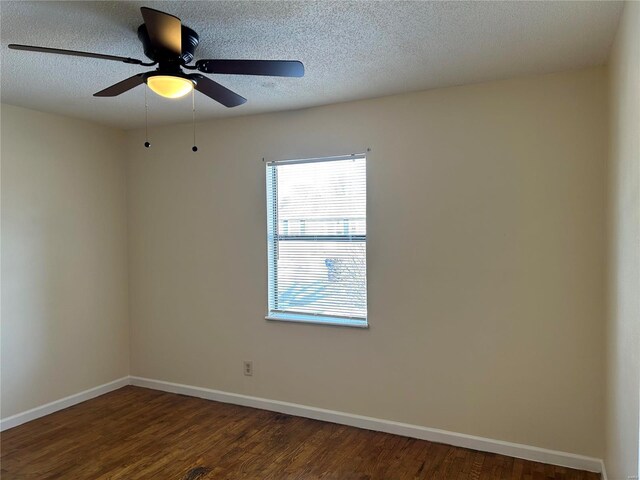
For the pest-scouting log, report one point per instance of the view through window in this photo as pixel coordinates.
(317, 240)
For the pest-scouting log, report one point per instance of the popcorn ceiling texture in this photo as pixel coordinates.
(351, 50)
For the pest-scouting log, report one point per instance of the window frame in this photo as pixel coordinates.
(273, 314)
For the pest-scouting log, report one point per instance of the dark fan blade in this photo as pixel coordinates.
(165, 31)
(216, 91)
(123, 86)
(272, 68)
(75, 53)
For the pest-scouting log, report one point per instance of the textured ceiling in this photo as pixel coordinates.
(351, 50)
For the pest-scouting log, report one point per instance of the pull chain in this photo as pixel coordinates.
(193, 117)
(146, 118)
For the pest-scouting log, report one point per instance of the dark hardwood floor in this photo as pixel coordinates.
(136, 433)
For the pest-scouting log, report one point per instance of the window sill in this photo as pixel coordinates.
(317, 320)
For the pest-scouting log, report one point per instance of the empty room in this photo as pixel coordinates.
(372, 240)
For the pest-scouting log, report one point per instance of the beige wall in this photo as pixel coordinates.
(64, 260)
(486, 260)
(623, 327)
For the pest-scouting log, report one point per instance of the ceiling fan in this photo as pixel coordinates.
(171, 46)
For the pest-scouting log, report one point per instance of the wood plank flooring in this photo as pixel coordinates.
(136, 433)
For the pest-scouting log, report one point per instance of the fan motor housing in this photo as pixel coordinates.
(190, 40)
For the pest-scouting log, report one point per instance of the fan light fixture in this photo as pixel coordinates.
(171, 45)
(169, 86)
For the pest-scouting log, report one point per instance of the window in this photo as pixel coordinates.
(317, 240)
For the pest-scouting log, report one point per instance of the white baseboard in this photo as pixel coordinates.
(20, 418)
(414, 431)
(369, 423)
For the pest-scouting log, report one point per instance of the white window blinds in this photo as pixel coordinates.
(317, 240)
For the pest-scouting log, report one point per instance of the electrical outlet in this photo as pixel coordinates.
(248, 367)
